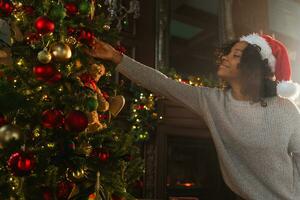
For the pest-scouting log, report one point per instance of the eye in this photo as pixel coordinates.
(237, 56)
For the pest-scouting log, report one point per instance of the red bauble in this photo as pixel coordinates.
(32, 37)
(102, 153)
(121, 49)
(103, 116)
(76, 121)
(29, 10)
(44, 25)
(47, 194)
(103, 156)
(64, 189)
(52, 118)
(105, 95)
(21, 163)
(71, 8)
(44, 72)
(6, 8)
(2, 120)
(70, 30)
(85, 36)
(55, 78)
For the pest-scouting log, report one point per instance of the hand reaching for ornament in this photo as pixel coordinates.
(104, 51)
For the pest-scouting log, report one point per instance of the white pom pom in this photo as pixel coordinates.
(288, 89)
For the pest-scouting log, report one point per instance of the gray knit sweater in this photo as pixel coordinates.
(258, 147)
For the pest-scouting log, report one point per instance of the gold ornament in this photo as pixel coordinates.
(78, 64)
(85, 148)
(116, 104)
(71, 40)
(106, 27)
(44, 56)
(9, 132)
(76, 175)
(60, 51)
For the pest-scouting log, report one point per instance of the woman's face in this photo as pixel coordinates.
(228, 69)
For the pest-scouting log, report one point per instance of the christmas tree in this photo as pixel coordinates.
(60, 133)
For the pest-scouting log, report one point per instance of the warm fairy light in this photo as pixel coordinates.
(135, 100)
(160, 117)
(138, 120)
(134, 110)
(20, 62)
(133, 127)
(50, 145)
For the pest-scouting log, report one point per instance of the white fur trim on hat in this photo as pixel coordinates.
(265, 52)
(288, 89)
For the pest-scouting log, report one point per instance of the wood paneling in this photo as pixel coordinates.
(249, 16)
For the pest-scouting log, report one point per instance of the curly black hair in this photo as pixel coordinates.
(257, 77)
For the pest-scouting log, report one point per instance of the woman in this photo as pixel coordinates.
(256, 132)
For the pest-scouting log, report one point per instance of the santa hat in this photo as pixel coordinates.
(276, 54)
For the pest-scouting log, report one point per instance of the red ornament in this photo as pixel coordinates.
(140, 107)
(105, 95)
(85, 36)
(64, 189)
(76, 121)
(32, 37)
(55, 78)
(21, 163)
(44, 25)
(29, 10)
(71, 8)
(2, 120)
(70, 30)
(101, 153)
(6, 8)
(52, 119)
(103, 116)
(103, 156)
(44, 72)
(121, 49)
(47, 194)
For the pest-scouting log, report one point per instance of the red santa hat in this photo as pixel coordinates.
(276, 54)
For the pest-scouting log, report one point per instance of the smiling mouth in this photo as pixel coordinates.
(224, 66)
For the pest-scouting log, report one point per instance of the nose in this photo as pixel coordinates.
(224, 57)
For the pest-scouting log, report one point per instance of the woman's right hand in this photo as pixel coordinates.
(104, 51)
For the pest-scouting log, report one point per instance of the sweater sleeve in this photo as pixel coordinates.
(190, 96)
(294, 142)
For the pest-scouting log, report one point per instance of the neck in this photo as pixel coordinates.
(236, 92)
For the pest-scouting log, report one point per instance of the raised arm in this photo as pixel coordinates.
(189, 96)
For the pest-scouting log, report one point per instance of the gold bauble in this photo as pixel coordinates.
(60, 51)
(106, 27)
(85, 148)
(44, 56)
(10, 132)
(76, 175)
